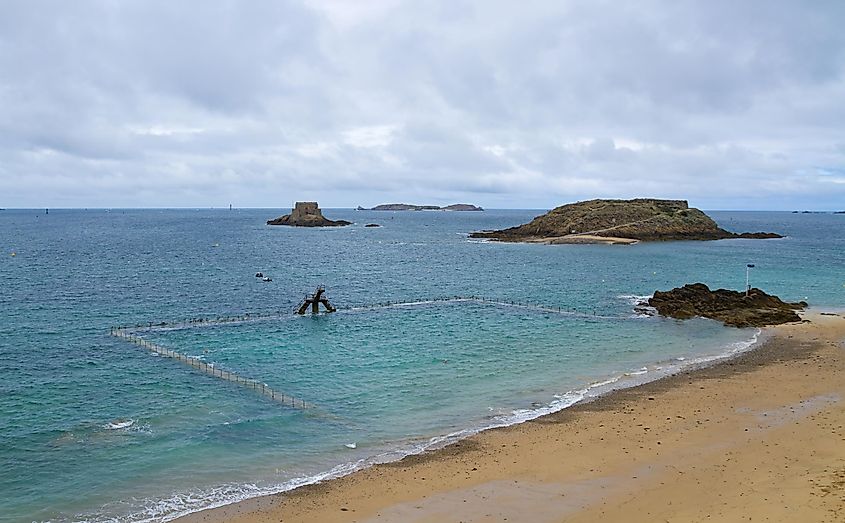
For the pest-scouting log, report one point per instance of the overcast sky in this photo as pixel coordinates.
(729, 104)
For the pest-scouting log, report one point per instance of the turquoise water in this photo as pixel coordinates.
(388, 380)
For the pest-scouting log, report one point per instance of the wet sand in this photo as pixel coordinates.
(757, 438)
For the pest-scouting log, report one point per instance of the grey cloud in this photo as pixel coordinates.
(530, 104)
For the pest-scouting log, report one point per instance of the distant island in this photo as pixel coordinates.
(410, 207)
(307, 214)
(618, 222)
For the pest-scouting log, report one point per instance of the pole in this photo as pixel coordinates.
(748, 267)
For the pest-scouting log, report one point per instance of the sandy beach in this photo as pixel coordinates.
(757, 438)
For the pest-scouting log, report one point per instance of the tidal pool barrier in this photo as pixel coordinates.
(128, 333)
(211, 370)
(263, 316)
(564, 311)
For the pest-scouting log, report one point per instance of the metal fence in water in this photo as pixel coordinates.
(196, 363)
(253, 317)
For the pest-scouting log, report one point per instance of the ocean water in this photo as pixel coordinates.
(93, 428)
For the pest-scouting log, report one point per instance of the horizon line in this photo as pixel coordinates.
(226, 208)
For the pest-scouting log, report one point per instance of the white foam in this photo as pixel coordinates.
(635, 299)
(120, 424)
(640, 303)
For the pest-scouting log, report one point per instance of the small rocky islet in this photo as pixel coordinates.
(307, 214)
(619, 222)
(411, 207)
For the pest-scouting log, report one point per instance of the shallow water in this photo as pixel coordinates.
(94, 428)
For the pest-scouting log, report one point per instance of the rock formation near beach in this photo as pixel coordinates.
(306, 214)
(619, 221)
(734, 308)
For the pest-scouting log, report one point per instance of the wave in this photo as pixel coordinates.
(119, 424)
(640, 305)
(635, 299)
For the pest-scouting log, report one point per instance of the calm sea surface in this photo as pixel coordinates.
(93, 428)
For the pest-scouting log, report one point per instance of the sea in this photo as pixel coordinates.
(437, 336)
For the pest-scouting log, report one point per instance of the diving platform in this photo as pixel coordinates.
(313, 302)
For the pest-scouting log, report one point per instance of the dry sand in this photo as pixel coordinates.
(758, 438)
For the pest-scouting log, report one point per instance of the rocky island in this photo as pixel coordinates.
(618, 222)
(307, 214)
(410, 207)
(756, 309)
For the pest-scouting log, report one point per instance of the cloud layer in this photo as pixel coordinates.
(529, 104)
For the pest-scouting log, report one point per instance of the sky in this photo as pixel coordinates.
(129, 103)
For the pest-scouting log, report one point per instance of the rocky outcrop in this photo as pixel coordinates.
(410, 207)
(733, 308)
(307, 214)
(641, 219)
(461, 207)
(403, 207)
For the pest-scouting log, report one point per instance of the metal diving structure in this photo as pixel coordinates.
(314, 302)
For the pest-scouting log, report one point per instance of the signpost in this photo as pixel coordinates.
(748, 268)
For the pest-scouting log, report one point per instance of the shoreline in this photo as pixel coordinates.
(406, 496)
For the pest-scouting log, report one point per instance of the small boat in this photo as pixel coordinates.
(266, 278)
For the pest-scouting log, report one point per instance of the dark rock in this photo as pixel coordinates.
(307, 214)
(641, 219)
(730, 307)
(756, 235)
